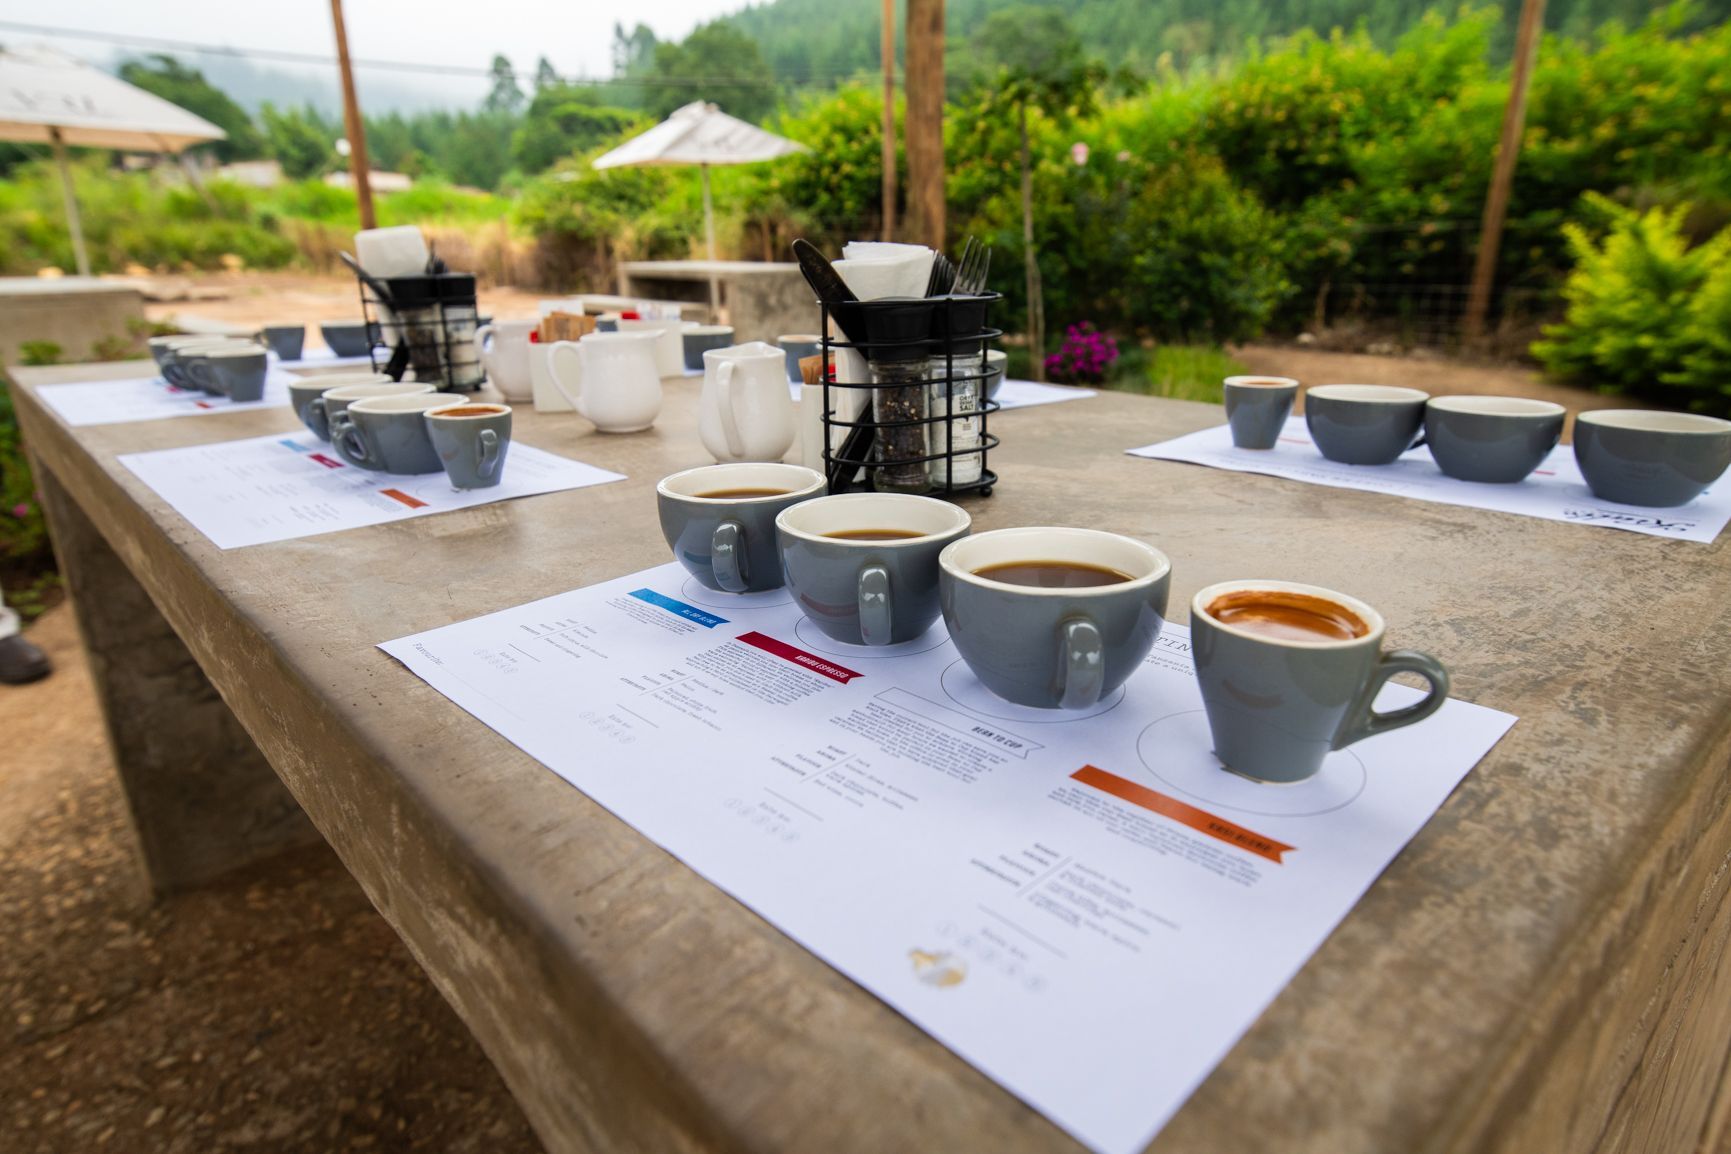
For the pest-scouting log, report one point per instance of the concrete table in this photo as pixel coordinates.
(1543, 969)
(77, 313)
(762, 299)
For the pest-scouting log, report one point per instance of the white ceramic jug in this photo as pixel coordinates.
(504, 350)
(746, 413)
(610, 379)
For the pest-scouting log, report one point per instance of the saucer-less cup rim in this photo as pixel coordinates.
(1655, 421)
(1496, 406)
(700, 330)
(1261, 381)
(408, 403)
(1204, 597)
(729, 549)
(850, 513)
(495, 409)
(1002, 546)
(1375, 394)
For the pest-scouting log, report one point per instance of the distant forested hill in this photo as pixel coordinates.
(821, 41)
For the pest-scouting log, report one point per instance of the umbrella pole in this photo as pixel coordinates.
(72, 222)
(709, 231)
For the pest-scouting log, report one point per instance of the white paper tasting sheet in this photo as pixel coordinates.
(285, 485)
(1015, 394)
(150, 399)
(1555, 491)
(1064, 900)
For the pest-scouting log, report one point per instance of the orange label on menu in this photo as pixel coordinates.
(399, 495)
(1199, 820)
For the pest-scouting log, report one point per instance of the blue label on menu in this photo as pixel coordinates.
(299, 448)
(679, 608)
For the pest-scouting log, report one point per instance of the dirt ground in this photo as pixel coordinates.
(276, 1012)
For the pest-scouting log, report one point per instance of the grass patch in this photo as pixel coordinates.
(1183, 372)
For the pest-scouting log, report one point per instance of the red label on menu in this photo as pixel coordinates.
(799, 657)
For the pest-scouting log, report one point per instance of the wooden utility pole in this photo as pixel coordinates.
(1503, 173)
(889, 55)
(923, 50)
(352, 126)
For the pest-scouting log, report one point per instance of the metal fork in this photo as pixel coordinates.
(976, 262)
(943, 276)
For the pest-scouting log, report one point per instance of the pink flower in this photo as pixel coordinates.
(1079, 153)
(21, 510)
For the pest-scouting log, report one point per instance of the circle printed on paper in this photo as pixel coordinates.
(817, 640)
(963, 688)
(700, 594)
(1178, 750)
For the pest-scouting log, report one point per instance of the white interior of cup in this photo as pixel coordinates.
(1380, 394)
(361, 391)
(798, 339)
(446, 413)
(406, 402)
(1498, 406)
(788, 479)
(709, 330)
(851, 512)
(1263, 382)
(1654, 422)
(1206, 596)
(1144, 563)
(225, 351)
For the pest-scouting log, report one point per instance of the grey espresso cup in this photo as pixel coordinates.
(1496, 440)
(1257, 408)
(798, 346)
(334, 394)
(1053, 648)
(286, 341)
(996, 360)
(389, 434)
(178, 366)
(1659, 460)
(347, 338)
(719, 520)
(1281, 701)
(1364, 424)
(237, 372)
(852, 578)
(699, 339)
(471, 440)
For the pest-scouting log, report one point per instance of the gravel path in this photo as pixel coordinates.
(275, 1012)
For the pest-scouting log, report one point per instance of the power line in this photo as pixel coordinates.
(286, 57)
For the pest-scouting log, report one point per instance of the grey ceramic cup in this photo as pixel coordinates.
(798, 346)
(728, 543)
(236, 372)
(1277, 708)
(161, 347)
(389, 434)
(1659, 460)
(1364, 424)
(303, 391)
(1257, 408)
(1053, 648)
(322, 408)
(699, 339)
(347, 338)
(1496, 440)
(286, 341)
(177, 365)
(471, 440)
(865, 592)
(996, 361)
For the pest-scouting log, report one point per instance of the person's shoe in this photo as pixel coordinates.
(21, 662)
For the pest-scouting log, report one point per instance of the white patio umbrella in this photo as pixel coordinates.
(703, 135)
(47, 97)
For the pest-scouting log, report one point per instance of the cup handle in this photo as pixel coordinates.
(876, 610)
(573, 395)
(1363, 721)
(724, 407)
(197, 372)
(1081, 662)
(319, 418)
(349, 443)
(489, 446)
(727, 557)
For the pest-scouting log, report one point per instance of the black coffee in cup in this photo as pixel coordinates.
(738, 494)
(1053, 574)
(1287, 616)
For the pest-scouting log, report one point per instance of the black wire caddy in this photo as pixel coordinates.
(426, 322)
(923, 426)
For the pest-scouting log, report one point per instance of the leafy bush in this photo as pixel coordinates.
(1647, 312)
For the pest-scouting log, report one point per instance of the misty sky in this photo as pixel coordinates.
(576, 35)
